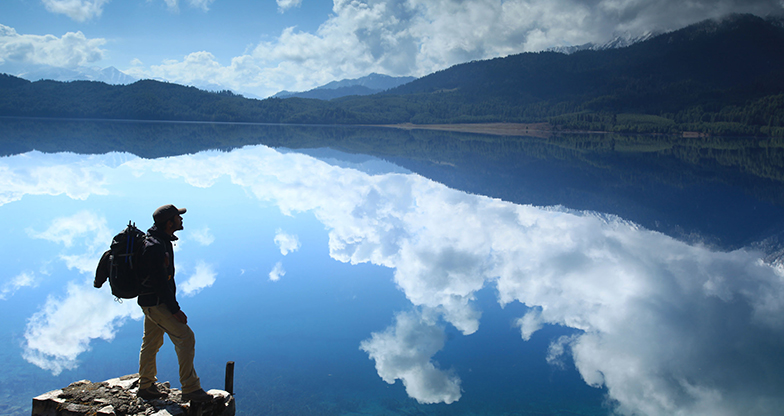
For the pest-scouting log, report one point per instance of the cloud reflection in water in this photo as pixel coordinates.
(667, 327)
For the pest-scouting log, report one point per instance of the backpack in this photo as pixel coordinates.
(122, 264)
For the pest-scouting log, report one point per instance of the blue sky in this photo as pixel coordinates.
(262, 47)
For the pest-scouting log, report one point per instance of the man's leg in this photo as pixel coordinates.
(151, 343)
(184, 342)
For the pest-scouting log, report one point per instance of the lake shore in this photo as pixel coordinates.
(541, 130)
(499, 129)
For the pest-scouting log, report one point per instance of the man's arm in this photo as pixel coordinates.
(159, 275)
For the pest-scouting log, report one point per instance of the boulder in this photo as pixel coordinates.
(117, 397)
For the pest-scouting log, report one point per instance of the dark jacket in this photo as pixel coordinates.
(158, 258)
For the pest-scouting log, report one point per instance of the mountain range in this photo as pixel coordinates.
(715, 77)
(35, 72)
(370, 84)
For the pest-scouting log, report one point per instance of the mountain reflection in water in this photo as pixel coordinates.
(659, 325)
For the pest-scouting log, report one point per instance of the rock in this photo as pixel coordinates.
(117, 397)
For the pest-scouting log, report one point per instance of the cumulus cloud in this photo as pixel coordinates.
(277, 272)
(530, 323)
(63, 328)
(284, 5)
(91, 232)
(36, 173)
(244, 73)
(203, 236)
(78, 10)
(69, 51)
(404, 351)
(286, 242)
(418, 37)
(203, 277)
(10, 287)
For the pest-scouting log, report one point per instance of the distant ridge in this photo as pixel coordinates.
(109, 75)
(367, 85)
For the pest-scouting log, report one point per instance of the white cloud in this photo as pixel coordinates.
(203, 236)
(78, 10)
(530, 323)
(36, 173)
(63, 328)
(173, 5)
(64, 229)
(286, 242)
(277, 272)
(201, 68)
(203, 277)
(558, 349)
(284, 5)
(22, 280)
(404, 352)
(86, 227)
(201, 4)
(69, 51)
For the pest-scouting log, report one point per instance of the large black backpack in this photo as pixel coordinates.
(122, 264)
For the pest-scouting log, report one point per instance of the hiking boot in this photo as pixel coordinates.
(150, 393)
(197, 396)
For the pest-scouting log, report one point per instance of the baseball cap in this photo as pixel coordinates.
(165, 213)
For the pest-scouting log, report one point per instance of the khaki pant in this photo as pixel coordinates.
(157, 321)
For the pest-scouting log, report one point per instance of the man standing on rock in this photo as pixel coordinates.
(162, 313)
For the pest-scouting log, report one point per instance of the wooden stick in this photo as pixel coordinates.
(230, 377)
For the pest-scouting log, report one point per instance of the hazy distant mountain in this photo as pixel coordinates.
(213, 87)
(328, 93)
(110, 75)
(373, 81)
(366, 85)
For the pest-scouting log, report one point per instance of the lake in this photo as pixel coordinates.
(374, 271)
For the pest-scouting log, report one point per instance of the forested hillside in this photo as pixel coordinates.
(715, 77)
(710, 76)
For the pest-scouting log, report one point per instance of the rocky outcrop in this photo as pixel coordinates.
(117, 397)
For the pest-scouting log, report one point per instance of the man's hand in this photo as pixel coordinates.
(180, 316)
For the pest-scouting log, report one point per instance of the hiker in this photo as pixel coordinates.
(162, 313)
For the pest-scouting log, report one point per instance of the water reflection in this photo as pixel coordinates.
(722, 191)
(665, 326)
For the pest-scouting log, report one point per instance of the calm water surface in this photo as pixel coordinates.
(346, 284)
